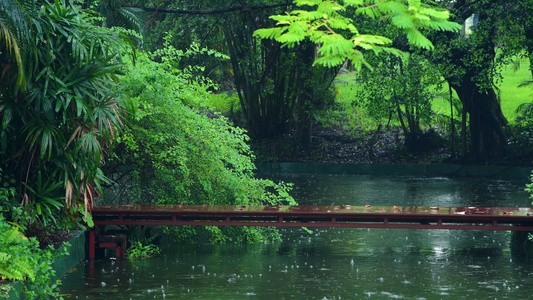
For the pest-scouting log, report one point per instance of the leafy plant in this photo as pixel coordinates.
(60, 116)
(140, 250)
(176, 152)
(11, 268)
(21, 259)
(326, 21)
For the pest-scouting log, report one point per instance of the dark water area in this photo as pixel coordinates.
(357, 190)
(336, 263)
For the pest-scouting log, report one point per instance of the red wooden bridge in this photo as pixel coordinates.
(346, 216)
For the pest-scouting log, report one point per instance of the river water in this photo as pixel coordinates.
(337, 263)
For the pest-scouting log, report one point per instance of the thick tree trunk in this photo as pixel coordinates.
(487, 139)
(468, 64)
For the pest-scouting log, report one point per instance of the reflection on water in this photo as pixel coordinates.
(336, 263)
(406, 191)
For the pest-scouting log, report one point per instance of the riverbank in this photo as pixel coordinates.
(335, 145)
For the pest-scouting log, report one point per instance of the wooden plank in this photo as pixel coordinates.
(465, 218)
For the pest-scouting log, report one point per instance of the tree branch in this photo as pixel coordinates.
(206, 12)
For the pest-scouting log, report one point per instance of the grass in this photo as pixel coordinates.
(510, 94)
(223, 102)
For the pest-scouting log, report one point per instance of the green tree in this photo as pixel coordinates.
(471, 62)
(111, 14)
(337, 30)
(172, 152)
(59, 115)
(468, 63)
(204, 29)
(400, 87)
(279, 90)
(325, 22)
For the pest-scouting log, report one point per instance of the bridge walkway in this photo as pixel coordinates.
(345, 216)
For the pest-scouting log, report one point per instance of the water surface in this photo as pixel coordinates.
(336, 263)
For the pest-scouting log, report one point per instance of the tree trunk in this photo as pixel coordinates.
(487, 139)
(468, 63)
(304, 129)
(261, 79)
(304, 126)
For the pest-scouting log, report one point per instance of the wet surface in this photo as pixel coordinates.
(434, 217)
(100, 210)
(338, 263)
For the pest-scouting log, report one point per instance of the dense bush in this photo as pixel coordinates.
(57, 110)
(21, 259)
(174, 150)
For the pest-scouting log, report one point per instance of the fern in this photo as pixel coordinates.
(403, 21)
(370, 11)
(13, 267)
(416, 38)
(9, 236)
(392, 7)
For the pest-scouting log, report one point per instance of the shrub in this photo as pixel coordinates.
(21, 259)
(174, 150)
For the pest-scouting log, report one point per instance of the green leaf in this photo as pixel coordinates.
(392, 7)
(370, 11)
(353, 2)
(402, 20)
(416, 38)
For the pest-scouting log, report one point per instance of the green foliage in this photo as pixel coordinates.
(529, 187)
(278, 88)
(59, 117)
(401, 88)
(330, 26)
(21, 259)
(11, 268)
(225, 103)
(7, 194)
(138, 250)
(179, 154)
(114, 15)
(472, 61)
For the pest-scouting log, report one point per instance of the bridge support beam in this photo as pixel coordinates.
(101, 241)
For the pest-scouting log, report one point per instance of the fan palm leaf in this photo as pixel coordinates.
(17, 40)
(59, 126)
(117, 16)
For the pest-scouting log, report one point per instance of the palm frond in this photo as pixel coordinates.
(117, 16)
(16, 37)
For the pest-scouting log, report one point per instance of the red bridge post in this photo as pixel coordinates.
(92, 243)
